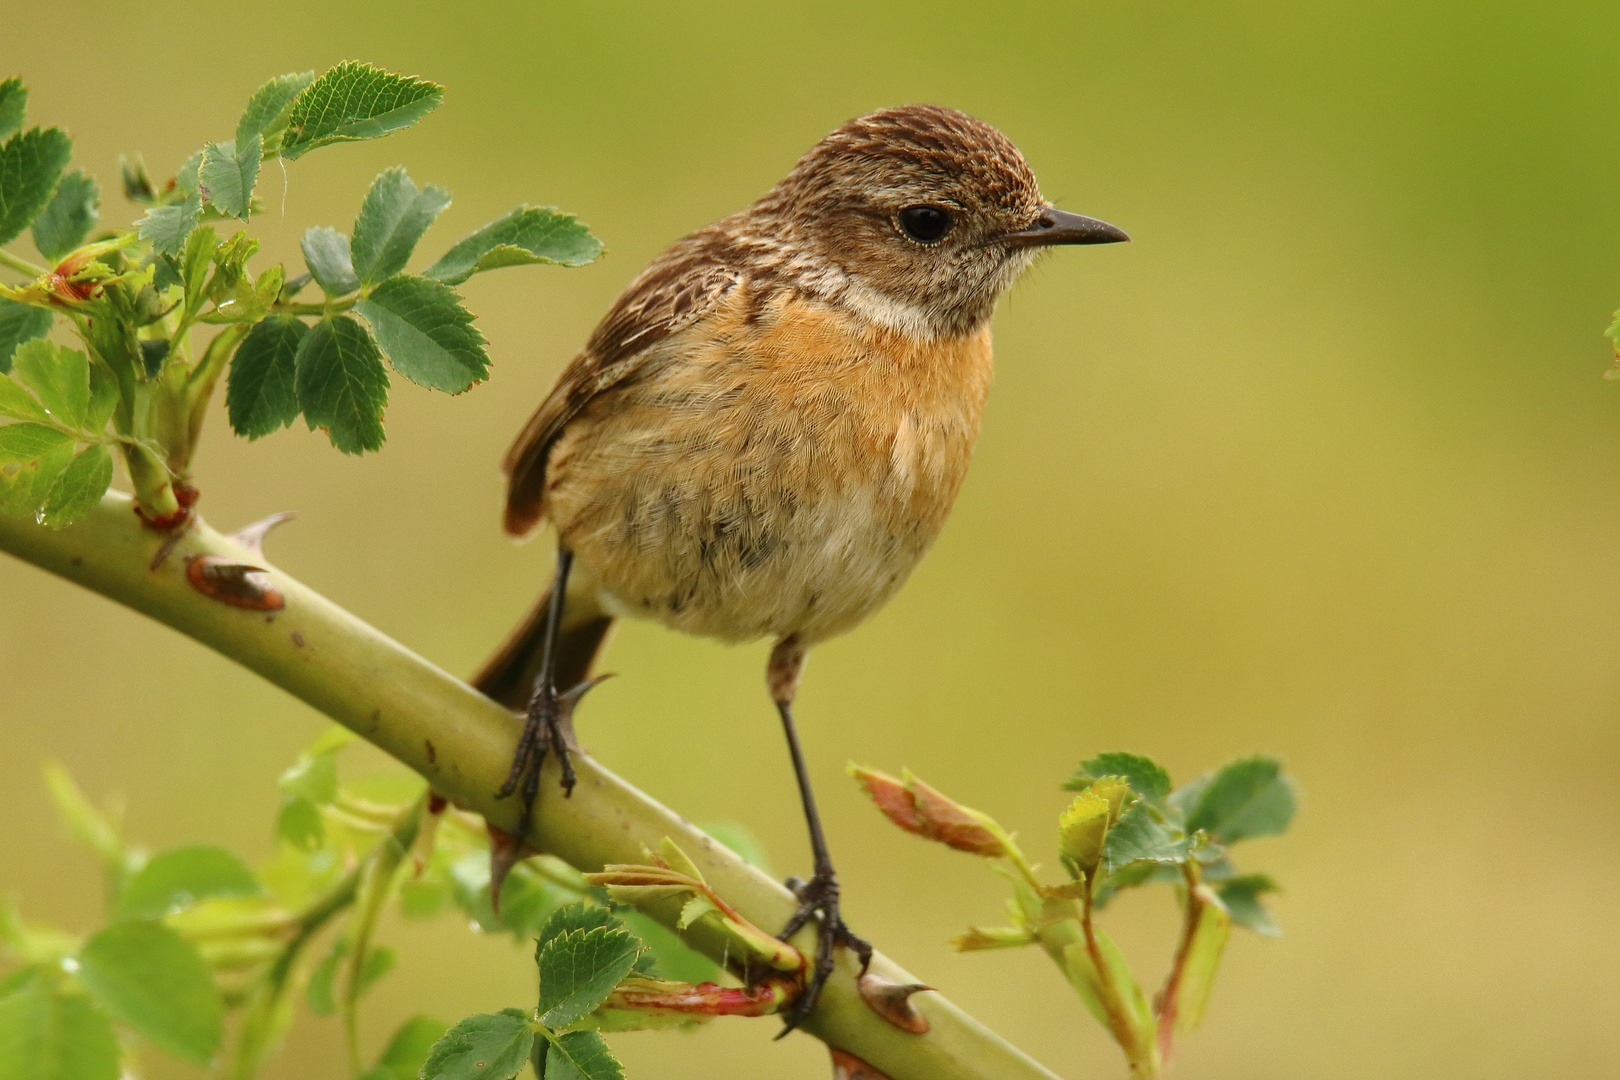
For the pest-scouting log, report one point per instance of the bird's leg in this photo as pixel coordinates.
(819, 895)
(549, 714)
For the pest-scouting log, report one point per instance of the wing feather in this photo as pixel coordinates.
(681, 286)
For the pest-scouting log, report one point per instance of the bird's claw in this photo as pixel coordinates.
(819, 897)
(548, 726)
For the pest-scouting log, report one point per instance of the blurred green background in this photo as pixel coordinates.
(1321, 465)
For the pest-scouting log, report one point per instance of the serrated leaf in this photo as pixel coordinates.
(18, 404)
(47, 1034)
(693, 910)
(166, 227)
(1141, 837)
(156, 982)
(13, 106)
(30, 165)
(227, 174)
(581, 1055)
(260, 394)
(342, 385)
(176, 879)
(579, 969)
(20, 323)
(1083, 829)
(1247, 798)
(392, 219)
(59, 376)
(79, 489)
(326, 253)
(355, 101)
(573, 918)
(489, 1046)
(269, 107)
(425, 333)
(22, 443)
(527, 235)
(1241, 895)
(1146, 776)
(408, 1050)
(68, 218)
(23, 492)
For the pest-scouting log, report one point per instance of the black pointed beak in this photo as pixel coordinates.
(1061, 227)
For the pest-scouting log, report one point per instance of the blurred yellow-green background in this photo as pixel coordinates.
(1321, 465)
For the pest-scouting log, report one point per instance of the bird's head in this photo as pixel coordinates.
(923, 215)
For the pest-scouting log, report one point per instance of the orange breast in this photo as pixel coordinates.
(779, 469)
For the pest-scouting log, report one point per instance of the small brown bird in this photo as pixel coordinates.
(767, 430)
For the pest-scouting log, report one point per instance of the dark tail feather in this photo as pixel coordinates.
(509, 675)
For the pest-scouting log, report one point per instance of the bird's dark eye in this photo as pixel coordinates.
(925, 224)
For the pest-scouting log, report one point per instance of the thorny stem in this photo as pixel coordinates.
(461, 743)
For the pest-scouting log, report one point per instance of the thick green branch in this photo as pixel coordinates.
(461, 742)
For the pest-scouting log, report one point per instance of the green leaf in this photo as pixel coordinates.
(60, 376)
(19, 404)
(30, 164)
(22, 443)
(227, 174)
(1247, 798)
(269, 107)
(1241, 895)
(573, 918)
(13, 106)
(23, 492)
(20, 323)
(156, 982)
(579, 969)
(426, 334)
(80, 487)
(527, 235)
(489, 1046)
(581, 1055)
(408, 1050)
(355, 101)
(326, 253)
(314, 777)
(68, 218)
(342, 385)
(186, 179)
(392, 219)
(166, 227)
(48, 1034)
(299, 823)
(260, 396)
(1140, 836)
(1083, 830)
(178, 878)
(1146, 776)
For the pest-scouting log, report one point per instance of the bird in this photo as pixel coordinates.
(766, 431)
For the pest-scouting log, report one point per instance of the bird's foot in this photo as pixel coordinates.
(819, 897)
(549, 726)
